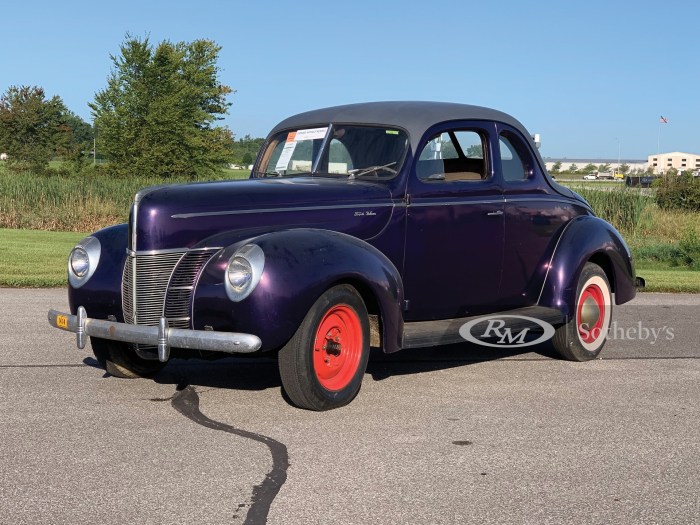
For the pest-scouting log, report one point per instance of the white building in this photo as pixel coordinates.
(678, 160)
(634, 164)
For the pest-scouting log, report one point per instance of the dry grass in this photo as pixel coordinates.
(71, 203)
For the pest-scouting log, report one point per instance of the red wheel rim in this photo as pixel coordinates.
(337, 347)
(591, 313)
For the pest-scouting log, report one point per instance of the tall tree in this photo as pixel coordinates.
(31, 127)
(246, 149)
(157, 114)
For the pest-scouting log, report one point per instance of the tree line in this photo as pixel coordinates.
(159, 115)
(588, 168)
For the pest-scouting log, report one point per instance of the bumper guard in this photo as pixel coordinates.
(160, 336)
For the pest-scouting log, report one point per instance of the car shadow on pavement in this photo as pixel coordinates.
(430, 359)
(261, 373)
(246, 373)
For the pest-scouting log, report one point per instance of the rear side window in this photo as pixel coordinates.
(516, 163)
(456, 155)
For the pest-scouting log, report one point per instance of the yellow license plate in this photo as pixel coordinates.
(62, 321)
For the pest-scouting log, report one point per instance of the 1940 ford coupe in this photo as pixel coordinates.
(389, 224)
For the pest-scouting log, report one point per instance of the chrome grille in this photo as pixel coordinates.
(145, 282)
(161, 285)
(178, 298)
(127, 290)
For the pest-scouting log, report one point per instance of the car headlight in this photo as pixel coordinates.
(83, 260)
(240, 273)
(79, 262)
(243, 272)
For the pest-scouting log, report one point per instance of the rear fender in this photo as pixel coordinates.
(300, 265)
(587, 238)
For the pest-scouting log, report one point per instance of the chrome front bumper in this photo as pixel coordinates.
(160, 336)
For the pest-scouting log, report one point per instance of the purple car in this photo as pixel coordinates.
(391, 224)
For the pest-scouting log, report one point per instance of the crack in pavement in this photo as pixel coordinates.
(186, 401)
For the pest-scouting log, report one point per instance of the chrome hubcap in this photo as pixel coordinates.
(590, 312)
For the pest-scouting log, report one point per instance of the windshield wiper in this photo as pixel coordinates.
(272, 173)
(359, 172)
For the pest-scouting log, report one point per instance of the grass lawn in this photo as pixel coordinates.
(33, 259)
(660, 277)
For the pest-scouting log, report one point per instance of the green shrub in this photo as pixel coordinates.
(689, 248)
(685, 252)
(679, 192)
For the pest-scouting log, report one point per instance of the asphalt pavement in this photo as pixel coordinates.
(455, 434)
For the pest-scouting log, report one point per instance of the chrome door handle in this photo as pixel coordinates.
(492, 213)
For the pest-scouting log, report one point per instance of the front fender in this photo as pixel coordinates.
(102, 294)
(587, 238)
(300, 265)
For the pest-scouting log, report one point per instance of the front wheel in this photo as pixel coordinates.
(322, 366)
(120, 359)
(582, 338)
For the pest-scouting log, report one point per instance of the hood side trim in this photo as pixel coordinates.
(276, 210)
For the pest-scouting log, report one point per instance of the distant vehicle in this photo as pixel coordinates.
(590, 176)
(643, 181)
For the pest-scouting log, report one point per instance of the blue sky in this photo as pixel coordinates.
(588, 76)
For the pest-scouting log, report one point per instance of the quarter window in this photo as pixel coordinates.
(516, 164)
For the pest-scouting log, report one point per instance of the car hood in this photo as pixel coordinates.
(183, 215)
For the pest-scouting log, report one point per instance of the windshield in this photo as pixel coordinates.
(339, 150)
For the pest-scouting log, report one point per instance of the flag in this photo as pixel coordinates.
(663, 120)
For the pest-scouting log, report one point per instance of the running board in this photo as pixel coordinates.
(446, 331)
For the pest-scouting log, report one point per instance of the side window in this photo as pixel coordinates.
(339, 160)
(516, 164)
(453, 156)
(438, 148)
(471, 144)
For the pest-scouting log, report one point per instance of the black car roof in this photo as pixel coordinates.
(414, 117)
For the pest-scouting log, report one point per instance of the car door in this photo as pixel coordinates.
(535, 215)
(454, 225)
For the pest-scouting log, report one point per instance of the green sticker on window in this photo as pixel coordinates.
(392, 132)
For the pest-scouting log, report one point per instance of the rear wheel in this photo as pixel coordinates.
(322, 366)
(582, 338)
(120, 359)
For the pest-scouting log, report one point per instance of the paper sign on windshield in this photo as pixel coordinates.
(293, 138)
(287, 152)
(311, 134)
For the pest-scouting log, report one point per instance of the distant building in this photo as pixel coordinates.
(634, 164)
(677, 160)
